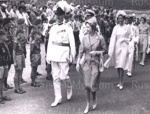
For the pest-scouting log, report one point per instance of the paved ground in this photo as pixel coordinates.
(133, 99)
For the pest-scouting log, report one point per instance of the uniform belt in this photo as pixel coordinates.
(61, 44)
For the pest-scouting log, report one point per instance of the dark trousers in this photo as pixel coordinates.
(77, 41)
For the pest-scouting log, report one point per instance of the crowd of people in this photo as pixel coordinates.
(72, 34)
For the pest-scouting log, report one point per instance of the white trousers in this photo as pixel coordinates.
(60, 72)
(131, 57)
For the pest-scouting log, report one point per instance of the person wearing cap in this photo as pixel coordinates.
(134, 19)
(61, 52)
(7, 24)
(19, 60)
(3, 11)
(133, 44)
(144, 31)
(4, 61)
(92, 46)
(119, 47)
(35, 57)
(21, 26)
(49, 10)
(37, 26)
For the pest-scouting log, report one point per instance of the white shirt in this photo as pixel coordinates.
(61, 34)
(13, 14)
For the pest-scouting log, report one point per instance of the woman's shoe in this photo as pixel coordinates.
(129, 74)
(94, 106)
(56, 102)
(142, 64)
(121, 87)
(118, 85)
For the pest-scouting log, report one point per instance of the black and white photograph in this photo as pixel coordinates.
(74, 56)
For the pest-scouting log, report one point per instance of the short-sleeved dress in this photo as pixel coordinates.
(91, 64)
(144, 32)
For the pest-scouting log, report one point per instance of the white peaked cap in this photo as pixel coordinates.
(64, 6)
(123, 13)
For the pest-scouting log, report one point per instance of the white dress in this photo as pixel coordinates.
(119, 47)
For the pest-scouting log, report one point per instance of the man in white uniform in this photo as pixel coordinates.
(60, 52)
(132, 44)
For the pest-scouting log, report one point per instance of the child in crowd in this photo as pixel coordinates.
(21, 26)
(4, 61)
(19, 60)
(35, 57)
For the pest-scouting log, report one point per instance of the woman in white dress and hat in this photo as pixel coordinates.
(118, 48)
(91, 48)
(144, 31)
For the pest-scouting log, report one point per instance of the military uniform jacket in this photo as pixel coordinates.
(58, 36)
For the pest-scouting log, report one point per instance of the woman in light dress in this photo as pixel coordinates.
(119, 47)
(91, 48)
(144, 31)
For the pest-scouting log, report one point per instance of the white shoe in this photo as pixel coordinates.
(69, 93)
(86, 110)
(121, 87)
(141, 63)
(94, 106)
(129, 74)
(118, 85)
(56, 102)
